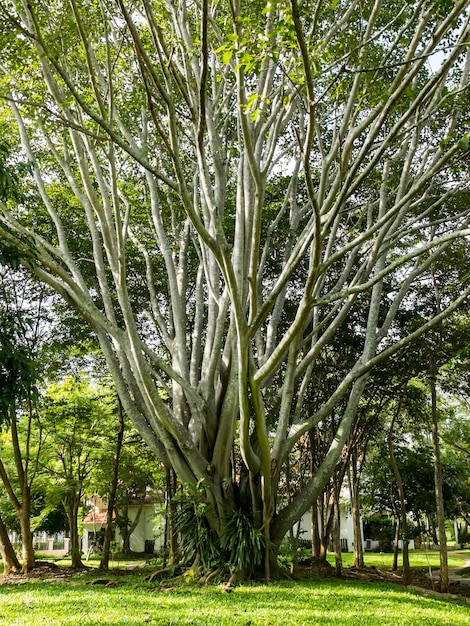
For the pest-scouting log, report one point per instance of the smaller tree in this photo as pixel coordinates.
(112, 490)
(75, 415)
(17, 382)
(140, 477)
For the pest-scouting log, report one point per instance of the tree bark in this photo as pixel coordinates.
(354, 478)
(403, 520)
(326, 524)
(23, 506)
(337, 536)
(395, 544)
(316, 545)
(104, 562)
(171, 538)
(126, 528)
(72, 505)
(441, 520)
(293, 539)
(27, 551)
(9, 558)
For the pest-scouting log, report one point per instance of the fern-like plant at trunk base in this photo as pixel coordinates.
(196, 538)
(243, 542)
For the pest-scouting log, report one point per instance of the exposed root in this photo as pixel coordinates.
(235, 577)
(168, 573)
(209, 577)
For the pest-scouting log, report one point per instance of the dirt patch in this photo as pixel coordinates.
(43, 571)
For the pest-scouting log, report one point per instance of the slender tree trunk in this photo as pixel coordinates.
(395, 545)
(9, 558)
(325, 527)
(27, 550)
(356, 513)
(168, 521)
(23, 507)
(128, 528)
(125, 531)
(72, 506)
(316, 546)
(104, 562)
(433, 530)
(171, 537)
(293, 539)
(337, 537)
(441, 520)
(403, 521)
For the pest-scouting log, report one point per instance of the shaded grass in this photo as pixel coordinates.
(92, 562)
(332, 602)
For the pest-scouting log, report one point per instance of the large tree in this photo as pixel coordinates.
(218, 188)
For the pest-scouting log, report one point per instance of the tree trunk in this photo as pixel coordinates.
(126, 528)
(356, 513)
(9, 558)
(441, 520)
(104, 562)
(27, 550)
(325, 526)
(395, 545)
(401, 493)
(171, 538)
(240, 301)
(337, 537)
(72, 505)
(126, 538)
(293, 537)
(315, 533)
(23, 507)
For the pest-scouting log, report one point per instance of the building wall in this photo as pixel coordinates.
(151, 527)
(346, 530)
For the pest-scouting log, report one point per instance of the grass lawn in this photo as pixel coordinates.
(310, 602)
(93, 561)
(282, 604)
(418, 558)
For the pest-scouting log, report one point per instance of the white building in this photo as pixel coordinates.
(148, 535)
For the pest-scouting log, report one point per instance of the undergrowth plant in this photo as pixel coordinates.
(242, 541)
(196, 538)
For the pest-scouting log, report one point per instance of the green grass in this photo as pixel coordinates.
(310, 602)
(418, 558)
(93, 561)
(136, 603)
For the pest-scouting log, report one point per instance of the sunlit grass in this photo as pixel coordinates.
(418, 558)
(319, 601)
(135, 603)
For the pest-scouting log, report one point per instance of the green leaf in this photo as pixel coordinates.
(227, 55)
(464, 143)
